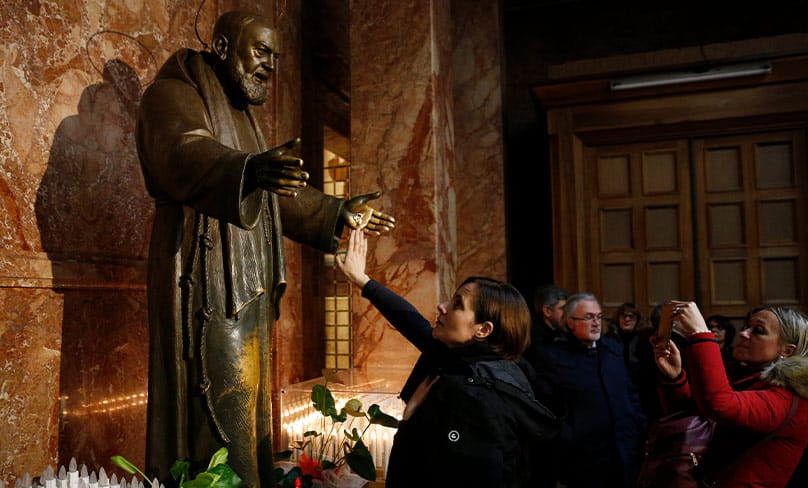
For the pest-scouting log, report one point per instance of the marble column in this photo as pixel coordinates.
(479, 152)
(407, 102)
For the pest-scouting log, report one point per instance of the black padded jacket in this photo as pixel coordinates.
(480, 421)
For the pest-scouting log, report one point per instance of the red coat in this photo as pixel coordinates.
(746, 415)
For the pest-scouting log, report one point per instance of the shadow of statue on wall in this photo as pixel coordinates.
(94, 214)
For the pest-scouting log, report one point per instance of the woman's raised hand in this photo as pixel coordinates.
(689, 317)
(353, 261)
(669, 360)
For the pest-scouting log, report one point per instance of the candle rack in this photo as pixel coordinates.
(368, 385)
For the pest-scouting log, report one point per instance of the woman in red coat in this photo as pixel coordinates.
(774, 345)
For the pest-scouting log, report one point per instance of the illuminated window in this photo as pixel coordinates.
(338, 344)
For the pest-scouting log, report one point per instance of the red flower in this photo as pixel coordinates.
(310, 466)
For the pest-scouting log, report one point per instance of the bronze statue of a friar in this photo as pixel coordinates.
(224, 200)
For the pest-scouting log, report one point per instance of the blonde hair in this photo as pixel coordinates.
(793, 327)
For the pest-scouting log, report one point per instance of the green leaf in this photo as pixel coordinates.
(323, 400)
(311, 433)
(202, 480)
(180, 471)
(361, 462)
(353, 435)
(339, 417)
(219, 457)
(124, 464)
(127, 466)
(282, 456)
(227, 478)
(385, 421)
(380, 418)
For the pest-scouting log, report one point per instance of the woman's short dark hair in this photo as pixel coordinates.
(501, 304)
(627, 307)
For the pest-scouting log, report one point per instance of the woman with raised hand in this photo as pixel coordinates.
(471, 418)
(762, 419)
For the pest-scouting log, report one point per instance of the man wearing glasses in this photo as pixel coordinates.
(600, 444)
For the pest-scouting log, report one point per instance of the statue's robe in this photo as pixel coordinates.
(216, 272)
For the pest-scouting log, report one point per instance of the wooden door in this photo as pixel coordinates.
(752, 221)
(726, 233)
(639, 207)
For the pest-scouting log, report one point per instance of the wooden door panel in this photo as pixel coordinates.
(639, 232)
(752, 199)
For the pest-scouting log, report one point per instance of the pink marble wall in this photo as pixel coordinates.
(396, 106)
(75, 218)
(479, 175)
(427, 138)
(30, 352)
(73, 226)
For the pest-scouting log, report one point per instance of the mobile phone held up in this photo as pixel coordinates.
(665, 327)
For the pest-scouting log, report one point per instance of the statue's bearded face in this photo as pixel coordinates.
(251, 62)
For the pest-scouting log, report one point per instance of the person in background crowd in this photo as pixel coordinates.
(774, 342)
(627, 318)
(546, 326)
(624, 324)
(600, 444)
(634, 335)
(548, 307)
(724, 332)
(471, 418)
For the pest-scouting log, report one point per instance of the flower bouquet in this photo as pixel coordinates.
(336, 455)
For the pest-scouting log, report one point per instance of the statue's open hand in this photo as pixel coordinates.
(279, 172)
(359, 215)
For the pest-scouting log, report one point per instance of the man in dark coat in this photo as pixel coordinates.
(216, 269)
(548, 308)
(602, 422)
